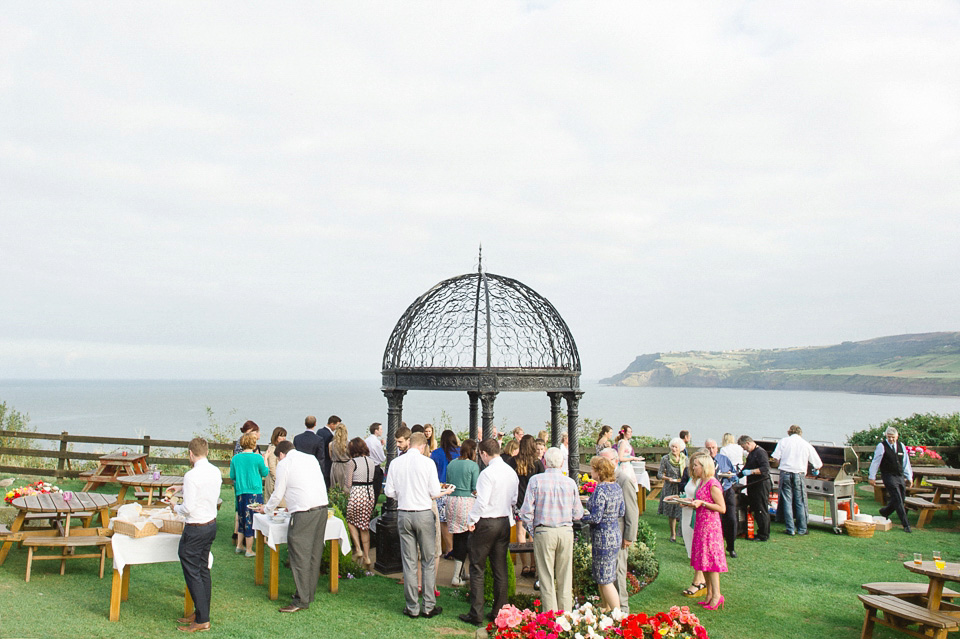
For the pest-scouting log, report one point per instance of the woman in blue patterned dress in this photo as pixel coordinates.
(604, 509)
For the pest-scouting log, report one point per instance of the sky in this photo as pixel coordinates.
(255, 191)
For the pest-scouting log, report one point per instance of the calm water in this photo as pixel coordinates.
(176, 409)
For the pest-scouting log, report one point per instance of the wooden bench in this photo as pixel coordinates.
(911, 591)
(926, 508)
(66, 544)
(520, 549)
(898, 614)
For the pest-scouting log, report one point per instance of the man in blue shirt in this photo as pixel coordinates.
(728, 520)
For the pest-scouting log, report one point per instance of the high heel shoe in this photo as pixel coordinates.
(719, 604)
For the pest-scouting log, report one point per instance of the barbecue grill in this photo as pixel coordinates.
(835, 484)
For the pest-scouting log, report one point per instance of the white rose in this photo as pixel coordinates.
(605, 623)
(578, 636)
(563, 623)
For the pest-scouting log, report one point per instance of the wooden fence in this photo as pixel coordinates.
(65, 456)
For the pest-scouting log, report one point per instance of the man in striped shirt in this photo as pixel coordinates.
(551, 505)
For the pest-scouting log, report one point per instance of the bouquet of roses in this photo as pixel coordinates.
(36, 488)
(587, 485)
(921, 455)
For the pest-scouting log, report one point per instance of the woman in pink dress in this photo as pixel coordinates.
(707, 553)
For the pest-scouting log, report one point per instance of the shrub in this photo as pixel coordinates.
(14, 420)
(347, 565)
(928, 429)
(642, 568)
(488, 580)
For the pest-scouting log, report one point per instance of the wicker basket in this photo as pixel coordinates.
(172, 526)
(862, 529)
(129, 529)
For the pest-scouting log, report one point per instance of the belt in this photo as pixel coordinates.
(206, 523)
(363, 483)
(425, 510)
(309, 510)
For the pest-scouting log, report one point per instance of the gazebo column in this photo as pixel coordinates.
(474, 414)
(573, 428)
(486, 399)
(555, 433)
(388, 534)
(394, 419)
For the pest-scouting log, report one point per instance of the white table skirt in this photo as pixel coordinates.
(154, 549)
(276, 533)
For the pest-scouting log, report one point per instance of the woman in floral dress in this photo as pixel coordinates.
(603, 512)
(708, 554)
(671, 469)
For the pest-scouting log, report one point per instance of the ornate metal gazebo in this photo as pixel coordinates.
(481, 334)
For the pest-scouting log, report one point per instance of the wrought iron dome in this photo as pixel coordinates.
(482, 321)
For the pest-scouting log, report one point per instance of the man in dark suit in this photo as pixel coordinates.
(326, 436)
(309, 441)
(757, 471)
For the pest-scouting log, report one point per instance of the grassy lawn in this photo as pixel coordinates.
(787, 587)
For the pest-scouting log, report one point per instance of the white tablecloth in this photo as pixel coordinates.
(276, 533)
(145, 550)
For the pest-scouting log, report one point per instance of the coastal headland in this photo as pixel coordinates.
(914, 364)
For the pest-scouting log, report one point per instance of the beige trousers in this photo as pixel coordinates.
(553, 552)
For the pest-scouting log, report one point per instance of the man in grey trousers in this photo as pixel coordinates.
(413, 481)
(627, 481)
(300, 482)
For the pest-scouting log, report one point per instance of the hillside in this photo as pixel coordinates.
(919, 364)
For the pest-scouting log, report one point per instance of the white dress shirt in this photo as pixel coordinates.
(300, 482)
(376, 449)
(733, 452)
(413, 481)
(201, 490)
(497, 490)
(794, 452)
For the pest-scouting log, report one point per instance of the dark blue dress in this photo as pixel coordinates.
(605, 507)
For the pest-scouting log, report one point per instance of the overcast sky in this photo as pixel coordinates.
(250, 190)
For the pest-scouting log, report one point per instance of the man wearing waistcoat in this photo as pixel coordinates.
(893, 462)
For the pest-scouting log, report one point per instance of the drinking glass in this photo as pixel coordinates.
(917, 558)
(938, 561)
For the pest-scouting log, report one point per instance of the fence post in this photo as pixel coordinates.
(146, 445)
(63, 460)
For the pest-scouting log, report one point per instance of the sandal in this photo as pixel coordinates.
(695, 590)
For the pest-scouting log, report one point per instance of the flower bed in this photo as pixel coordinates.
(587, 622)
(923, 456)
(36, 488)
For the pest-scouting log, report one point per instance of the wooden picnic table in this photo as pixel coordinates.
(919, 472)
(116, 465)
(944, 498)
(935, 619)
(950, 572)
(146, 482)
(56, 506)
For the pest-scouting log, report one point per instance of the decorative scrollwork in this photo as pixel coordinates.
(482, 320)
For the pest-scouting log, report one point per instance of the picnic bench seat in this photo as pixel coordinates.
(925, 507)
(67, 546)
(905, 590)
(899, 613)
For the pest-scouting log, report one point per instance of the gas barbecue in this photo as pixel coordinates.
(834, 485)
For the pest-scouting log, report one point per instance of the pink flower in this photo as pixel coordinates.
(508, 617)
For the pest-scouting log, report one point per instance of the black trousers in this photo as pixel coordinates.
(758, 499)
(896, 493)
(461, 545)
(489, 539)
(194, 553)
(728, 520)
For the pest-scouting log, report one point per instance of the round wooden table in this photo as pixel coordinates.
(950, 572)
(56, 506)
(146, 481)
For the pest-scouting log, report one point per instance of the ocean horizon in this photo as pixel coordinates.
(177, 409)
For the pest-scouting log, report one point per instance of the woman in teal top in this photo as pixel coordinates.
(247, 471)
(463, 473)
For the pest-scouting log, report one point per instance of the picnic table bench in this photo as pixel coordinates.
(909, 590)
(944, 498)
(101, 539)
(899, 613)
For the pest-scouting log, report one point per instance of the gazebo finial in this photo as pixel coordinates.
(480, 259)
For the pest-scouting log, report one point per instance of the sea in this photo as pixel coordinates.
(171, 409)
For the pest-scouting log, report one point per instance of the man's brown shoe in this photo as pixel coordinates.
(291, 608)
(195, 627)
(189, 619)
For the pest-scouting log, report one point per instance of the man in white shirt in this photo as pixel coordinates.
(201, 489)
(490, 520)
(413, 481)
(794, 454)
(300, 483)
(375, 443)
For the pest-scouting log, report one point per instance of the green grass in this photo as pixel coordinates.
(787, 587)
